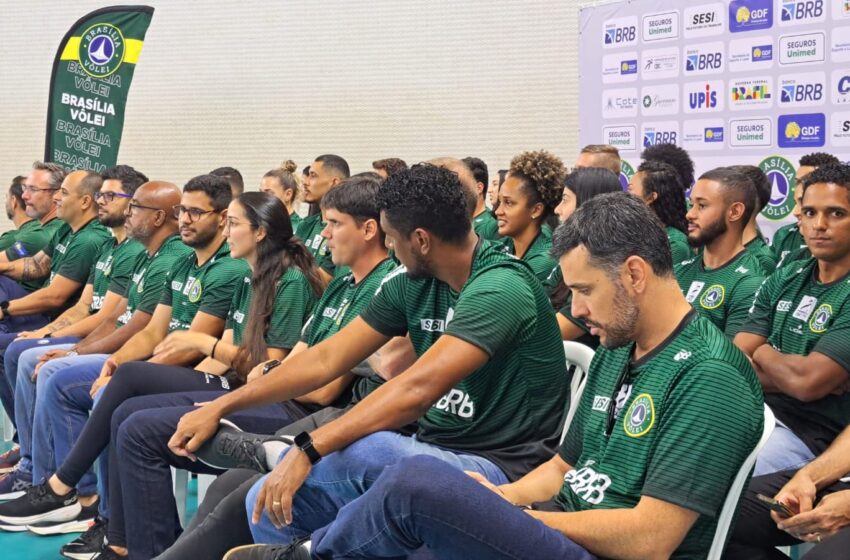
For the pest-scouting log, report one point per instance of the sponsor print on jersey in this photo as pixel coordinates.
(801, 11)
(806, 130)
(750, 54)
(802, 89)
(750, 15)
(587, 484)
(751, 133)
(660, 26)
(839, 129)
(704, 58)
(457, 403)
(703, 96)
(802, 48)
(624, 138)
(658, 64)
(805, 308)
(619, 67)
(781, 174)
(662, 99)
(748, 93)
(694, 290)
(839, 45)
(619, 103)
(704, 20)
(703, 134)
(640, 416)
(620, 32)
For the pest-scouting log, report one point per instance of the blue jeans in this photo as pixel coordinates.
(66, 403)
(344, 476)
(784, 451)
(423, 501)
(21, 357)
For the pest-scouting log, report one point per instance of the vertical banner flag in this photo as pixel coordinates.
(89, 83)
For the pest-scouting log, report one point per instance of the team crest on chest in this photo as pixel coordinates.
(640, 416)
(194, 291)
(820, 318)
(713, 297)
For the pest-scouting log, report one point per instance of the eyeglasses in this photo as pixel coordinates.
(32, 190)
(133, 206)
(233, 222)
(109, 196)
(195, 214)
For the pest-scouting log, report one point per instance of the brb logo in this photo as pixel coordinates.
(802, 89)
(800, 11)
(620, 32)
(802, 131)
(653, 137)
(749, 15)
(704, 61)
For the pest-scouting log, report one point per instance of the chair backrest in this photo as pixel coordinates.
(579, 357)
(730, 504)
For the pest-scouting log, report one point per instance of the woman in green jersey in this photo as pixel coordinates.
(283, 184)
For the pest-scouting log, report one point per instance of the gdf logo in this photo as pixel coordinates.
(797, 11)
(781, 174)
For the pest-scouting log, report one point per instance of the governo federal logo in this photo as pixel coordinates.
(101, 50)
(781, 174)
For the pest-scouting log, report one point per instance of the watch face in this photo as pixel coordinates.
(270, 366)
(302, 439)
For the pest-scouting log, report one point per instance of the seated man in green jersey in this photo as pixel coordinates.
(722, 280)
(488, 389)
(754, 241)
(326, 172)
(667, 396)
(483, 221)
(798, 329)
(788, 243)
(28, 237)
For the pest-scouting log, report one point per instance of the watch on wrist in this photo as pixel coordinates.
(304, 442)
(270, 366)
(4, 307)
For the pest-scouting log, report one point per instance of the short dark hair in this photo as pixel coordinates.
(675, 156)
(587, 182)
(130, 178)
(760, 183)
(816, 159)
(214, 186)
(390, 165)
(834, 173)
(57, 172)
(16, 189)
(613, 227)
(233, 177)
(502, 174)
(669, 204)
(428, 197)
(736, 186)
(356, 196)
(478, 169)
(335, 165)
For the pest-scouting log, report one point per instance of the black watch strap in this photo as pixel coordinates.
(305, 443)
(4, 305)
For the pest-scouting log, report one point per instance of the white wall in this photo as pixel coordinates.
(252, 83)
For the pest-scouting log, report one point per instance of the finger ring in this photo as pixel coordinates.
(275, 503)
(818, 537)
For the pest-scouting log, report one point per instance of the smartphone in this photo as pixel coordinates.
(778, 507)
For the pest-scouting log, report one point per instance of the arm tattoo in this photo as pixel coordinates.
(58, 324)
(36, 267)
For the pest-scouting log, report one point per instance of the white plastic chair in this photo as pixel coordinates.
(8, 427)
(580, 356)
(734, 494)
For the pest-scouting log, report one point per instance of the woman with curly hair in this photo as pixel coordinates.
(659, 185)
(526, 211)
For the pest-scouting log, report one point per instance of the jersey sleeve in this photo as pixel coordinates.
(122, 269)
(293, 302)
(741, 303)
(760, 318)
(217, 294)
(157, 281)
(387, 312)
(834, 342)
(710, 423)
(475, 322)
(235, 303)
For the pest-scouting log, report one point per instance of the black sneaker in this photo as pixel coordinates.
(77, 525)
(38, 504)
(107, 554)
(231, 448)
(87, 545)
(298, 550)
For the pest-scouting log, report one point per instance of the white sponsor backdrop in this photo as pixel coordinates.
(737, 81)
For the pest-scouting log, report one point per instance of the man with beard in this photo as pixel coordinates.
(101, 300)
(624, 477)
(488, 387)
(28, 237)
(722, 280)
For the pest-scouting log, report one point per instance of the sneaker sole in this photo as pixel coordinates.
(12, 495)
(13, 528)
(59, 515)
(75, 526)
(79, 555)
(6, 470)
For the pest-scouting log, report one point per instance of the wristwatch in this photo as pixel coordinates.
(305, 443)
(270, 366)
(4, 307)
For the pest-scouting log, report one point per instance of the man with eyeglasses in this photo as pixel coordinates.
(196, 294)
(102, 300)
(28, 237)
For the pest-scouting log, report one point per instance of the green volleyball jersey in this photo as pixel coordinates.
(207, 288)
(679, 245)
(510, 409)
(486, 226)
(148, 280)
(685, 417)
(787, 241)
(73, 254)
(25, 241)
(293, 304)
(310, 232)
(51, 226)
(113, 270)
(296, 219)
(723, 294)
(537, 256)
(799, 315)
(763, 253)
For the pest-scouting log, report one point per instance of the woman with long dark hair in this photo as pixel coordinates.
(266, 317)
